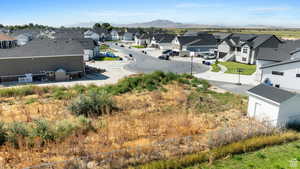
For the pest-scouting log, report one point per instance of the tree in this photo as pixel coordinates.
(107, 26)
(1, 26)
(97, 25)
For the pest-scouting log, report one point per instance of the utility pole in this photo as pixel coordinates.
(192, 60)
(239, 71)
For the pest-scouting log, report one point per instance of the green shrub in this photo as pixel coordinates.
(17, 131)
(95, 103)
(43, 130)
(3, 134)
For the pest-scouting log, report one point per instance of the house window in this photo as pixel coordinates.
(238, 49)
(278, 86)
(297, 75)
(277, 73)
(244, 59)
(245, 50)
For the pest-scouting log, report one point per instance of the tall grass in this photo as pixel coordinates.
(248, 145)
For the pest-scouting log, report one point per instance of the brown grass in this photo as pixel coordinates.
(144, 118)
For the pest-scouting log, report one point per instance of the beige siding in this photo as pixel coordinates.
(21, 66)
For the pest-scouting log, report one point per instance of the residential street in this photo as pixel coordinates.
(147, 64)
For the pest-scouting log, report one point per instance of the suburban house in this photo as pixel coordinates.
(7, 41)
(203, 43)
(143, 39)
(23, 39)
(220, 36)
(162, 41)
(42, 60)
(285, 74)
(273, 106)
(116, 35)
(268, 56)
(245, 48)
(92, 35)
(128, 36)
(104, 35)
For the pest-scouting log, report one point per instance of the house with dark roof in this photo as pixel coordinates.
(284, 74)
(143, 39)
(203, 43)
(89, 34)
(245, 48)
(273, 106)
(40, 59)
(162, 41)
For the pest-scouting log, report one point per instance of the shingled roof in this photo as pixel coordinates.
(272, 93)
(47, 47)
(203, 39)
(282, 53)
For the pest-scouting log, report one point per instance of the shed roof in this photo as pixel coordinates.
(272, 93)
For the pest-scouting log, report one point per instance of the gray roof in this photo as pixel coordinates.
(203, 39)
(47, 47)
(272, 93)
(251, 39)
(282, 53)
(164, 38)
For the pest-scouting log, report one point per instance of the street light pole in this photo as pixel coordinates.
(192, 59)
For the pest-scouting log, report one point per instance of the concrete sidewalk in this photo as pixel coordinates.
(228, 78)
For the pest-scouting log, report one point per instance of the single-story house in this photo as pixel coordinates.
(40, 59)
(273, 106)
(162, 41)
(204, 43)
(245, 48)
(116, 35)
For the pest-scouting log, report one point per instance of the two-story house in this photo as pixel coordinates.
(245, 48)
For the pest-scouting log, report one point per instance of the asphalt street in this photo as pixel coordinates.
(147, 64)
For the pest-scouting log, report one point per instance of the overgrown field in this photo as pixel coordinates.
(158, 116)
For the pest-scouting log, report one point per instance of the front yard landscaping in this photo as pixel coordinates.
(232, 68)
(107, 59)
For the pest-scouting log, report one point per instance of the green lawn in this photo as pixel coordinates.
(215, 68)
(232, 68)
(139, 47)
(107, 59)
(276, 157)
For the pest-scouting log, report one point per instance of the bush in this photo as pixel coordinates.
(95, 103)
(3, 134)
(43, 130)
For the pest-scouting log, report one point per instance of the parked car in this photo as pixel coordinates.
(122, 46)
(167, 51)
(130, 55)
(116, 44)
(164, 57)
(208, 56)
(174, 53)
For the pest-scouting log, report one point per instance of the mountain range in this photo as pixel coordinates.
(171, 24)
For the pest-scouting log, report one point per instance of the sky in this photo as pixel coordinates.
(212, 12)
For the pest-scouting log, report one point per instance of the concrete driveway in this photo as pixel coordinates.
(147, 64)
